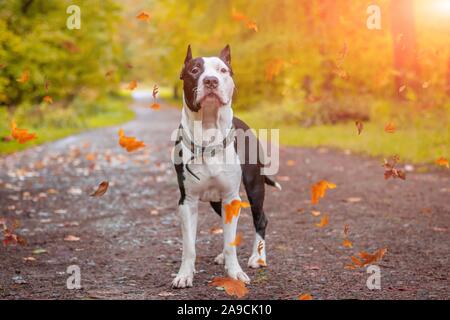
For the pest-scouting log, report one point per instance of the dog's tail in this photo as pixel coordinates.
(272, 183)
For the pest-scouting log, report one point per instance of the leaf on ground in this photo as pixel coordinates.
(29, 259)
(390, 127)
(290, 163)
(442, 162)
(48, 99)
(132, 85)
(129, 143)
(359, 126)
(155, 106)
(315, 213)
(39, 251)
(353, 199)
(323, 222)
(143, 16)
(71, 238)
(101, 189)
(237, 241)
(390, 170)
(231, 286)
(21, 135)
(305, 296)
(318, 190)
(216, 230)
(347, 243)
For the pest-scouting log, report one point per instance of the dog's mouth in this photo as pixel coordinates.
(212, 97)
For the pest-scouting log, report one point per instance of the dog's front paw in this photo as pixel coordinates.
(183, 280)
(238, 274)
(255, 262)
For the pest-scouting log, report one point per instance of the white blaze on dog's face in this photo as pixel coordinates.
(207, 81)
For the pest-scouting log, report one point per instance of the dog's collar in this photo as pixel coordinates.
(209, 150)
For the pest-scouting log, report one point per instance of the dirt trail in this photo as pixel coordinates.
(130, 245)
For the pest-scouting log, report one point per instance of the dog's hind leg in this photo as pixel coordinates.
(188, 212)
(217, 206)
(255, 193)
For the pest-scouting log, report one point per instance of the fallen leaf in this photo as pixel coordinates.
(39, 251)
(290, 163)
(305, 296)
(323, 222)
(48, 99)
(155, 106)
(353, 199)
(24, 77)
(347, 243)
(390, 171)
(442, 162)
(252, 26)
(315, 213)
(359, 126)
(346, 230)
(143, 16)
(71, 238)
(129, 143)
(101, 189)
(21, 135)
(318, 190)
(232, 287)
(390, 127)
(132, 85)
(237, 241)
(216, 230)
(28, 259)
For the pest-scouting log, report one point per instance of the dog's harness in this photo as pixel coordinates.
(209, 150)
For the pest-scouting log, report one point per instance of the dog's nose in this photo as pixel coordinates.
(211, 82)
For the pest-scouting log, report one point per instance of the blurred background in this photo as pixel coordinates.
(309, 67)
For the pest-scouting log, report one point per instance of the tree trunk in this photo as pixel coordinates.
(405, 49)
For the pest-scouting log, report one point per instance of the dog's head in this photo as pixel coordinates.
(207, 81)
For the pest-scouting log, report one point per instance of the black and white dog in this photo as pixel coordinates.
(212, 171)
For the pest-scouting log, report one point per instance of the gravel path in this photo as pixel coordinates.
(130, 239)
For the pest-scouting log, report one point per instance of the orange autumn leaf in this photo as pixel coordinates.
(402, 88)
(318, 190)
(359, 126)
(238, 16)
(232, 209)
(232, 287)
(442, 162)
(155, 106)
(390, 127)
(252, 26)
(24, 77)
(143, 16)
(305, 296)
(129, 143)
(315, 213)
(290, 163)
(366, 258)
(132, 85)
(21, 135)
(216, 230)
(101, 189)
(323, 222)
(48, 99)
(237, 241)
(347, 243)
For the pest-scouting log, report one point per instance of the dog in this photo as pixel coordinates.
(202, 173)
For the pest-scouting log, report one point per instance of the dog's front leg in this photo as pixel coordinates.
(188, 213)
(232, 266)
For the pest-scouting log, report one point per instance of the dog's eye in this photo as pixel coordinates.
(194, 70)
(223, 70)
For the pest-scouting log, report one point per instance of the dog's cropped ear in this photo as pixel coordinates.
(225, 55)
(186, 60)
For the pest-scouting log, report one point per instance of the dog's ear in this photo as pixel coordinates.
(225, 55)
(186, 60)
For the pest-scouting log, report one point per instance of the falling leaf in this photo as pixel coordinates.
(24, 77)
(318, 190)
(366, 258)
(21, 135)
(359, 126)
(48, 99)
(232, 209)
(389, 127)
(71, 238)
(132, 85)
(391, 171)
(323, 222)
(252, 26)
(442, 162)
(101, 190)
(237, 241)
(232, 287)
(143, 16)
(216, 230)
(347, 243)
(129, 143)
(305, 296)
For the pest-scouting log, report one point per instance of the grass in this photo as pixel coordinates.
(422, 140)
(52, 124)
